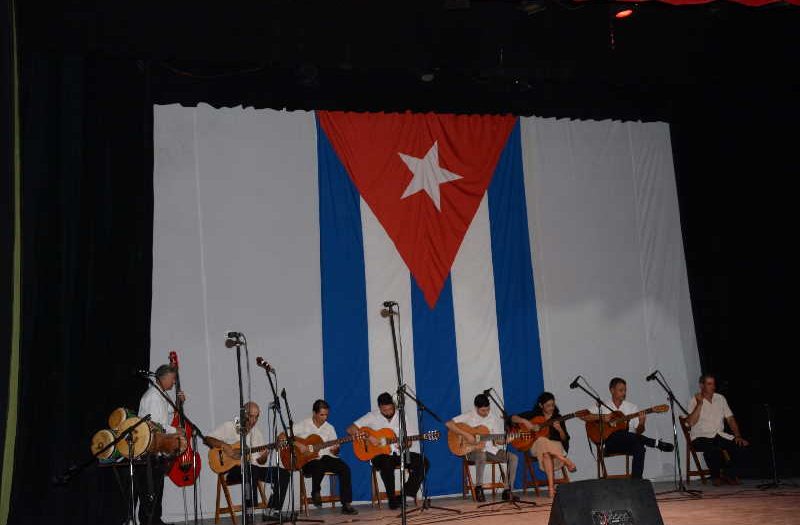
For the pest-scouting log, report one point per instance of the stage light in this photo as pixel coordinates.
(623, 13)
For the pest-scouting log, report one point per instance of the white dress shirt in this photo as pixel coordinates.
(227, 433)
(492, 421)
(376, 421)
(626, 407)
(326, 431)
(160, 410)
(712, 417)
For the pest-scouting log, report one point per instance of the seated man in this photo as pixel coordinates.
(631, 441)
(327, 461)
(387, 416)
(482, 416)
(708, 412)
(228, 433)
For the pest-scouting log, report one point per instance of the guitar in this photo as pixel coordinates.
(186, 467)
(541, 428)
(220, 462)
(314, 444)
(365, 451)
(459, 446)
(616, 422)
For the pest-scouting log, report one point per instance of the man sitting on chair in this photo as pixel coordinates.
(482, 416)
(387, 416)
(228, 433)
(327, 461)
(631, 441)
(708, 412)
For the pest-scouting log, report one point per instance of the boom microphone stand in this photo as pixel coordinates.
(600, 403)
(237, 339)
(426, 500)
(776, 482)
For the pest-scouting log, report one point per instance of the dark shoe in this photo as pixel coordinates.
(394, 503)
(479, 496)
(716, 482)
(316, 499)
(730, 480)
(348, 509)
(663, 446)
(509, 496)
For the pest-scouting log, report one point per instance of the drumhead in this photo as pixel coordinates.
(118, 415)
(141, 437)
(99, 441)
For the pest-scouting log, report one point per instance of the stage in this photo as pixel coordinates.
(727, 505)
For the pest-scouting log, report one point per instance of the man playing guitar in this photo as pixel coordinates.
(328, 462)
(631, 440)
(387, 417)
(482, 416)
(227, 434)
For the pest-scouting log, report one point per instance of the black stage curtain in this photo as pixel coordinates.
(87, 265)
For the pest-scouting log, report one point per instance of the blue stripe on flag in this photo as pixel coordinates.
(517, 322)
(345, 344)
(436, 376)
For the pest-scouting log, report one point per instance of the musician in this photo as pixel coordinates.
(481, 416)
(708, 413)
(228, 433)
(327, 462)
(387, 417)
(150, 480)
(631, 441)
(550, 450)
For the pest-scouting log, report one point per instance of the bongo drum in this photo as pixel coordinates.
(142, 438)
(119, 415)
(99, 441)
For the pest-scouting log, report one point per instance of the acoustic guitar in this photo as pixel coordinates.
(459, 446)
(220, 462)
(616, 422)
(541, 428)
(365, 451)
(314, 444)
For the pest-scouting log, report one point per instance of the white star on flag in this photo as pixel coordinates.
(428, 175)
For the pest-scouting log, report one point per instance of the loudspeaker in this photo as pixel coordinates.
(606, 502)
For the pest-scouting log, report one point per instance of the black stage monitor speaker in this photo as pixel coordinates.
(606, 502)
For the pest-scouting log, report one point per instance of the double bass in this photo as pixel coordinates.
(186, 467)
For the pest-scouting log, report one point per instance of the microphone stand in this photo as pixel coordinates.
(247, 510)
(401, 408)
(776, 482)
(600, 403)
(426, 500)
(680, 487)
(515, 503)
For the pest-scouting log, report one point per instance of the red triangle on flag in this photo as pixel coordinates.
(423, 176)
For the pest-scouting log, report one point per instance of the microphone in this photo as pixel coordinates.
(232, 339)
(389, 304)
(574, 383)
(387, 312)
(266, 366)
(486, 392)
(651, 376)
(283, 393)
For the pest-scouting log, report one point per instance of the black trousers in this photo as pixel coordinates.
(386, 464)
(712, 452)
(149, 488)
(268, 475)
(316, 471)
(625, 442)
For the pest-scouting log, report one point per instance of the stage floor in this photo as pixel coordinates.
(728, 505)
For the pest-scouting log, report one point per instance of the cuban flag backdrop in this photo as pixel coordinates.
(520, 252)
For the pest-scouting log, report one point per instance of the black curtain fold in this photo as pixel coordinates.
(87, 260)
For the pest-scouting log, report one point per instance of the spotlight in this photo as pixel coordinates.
(622, 12)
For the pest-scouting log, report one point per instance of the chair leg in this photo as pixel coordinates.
(219, 493)
(376, 495)
(303, 495)
(228, 498)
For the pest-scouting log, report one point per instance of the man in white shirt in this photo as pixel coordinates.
(150, 480)
(227, 434)
(708, 412)
(481, 416)
(327, 461)
(387, 417)
(631, 441)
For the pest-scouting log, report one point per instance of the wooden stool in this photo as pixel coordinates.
(377, 495)
(223, 486)
(332, 498)
(468, 486)
(530, 472)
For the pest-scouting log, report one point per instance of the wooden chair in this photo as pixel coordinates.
(602, 471)
(529, 478)
(224, 487)
(377, 494)
(332, 498)
(468, 486)
(691, 453)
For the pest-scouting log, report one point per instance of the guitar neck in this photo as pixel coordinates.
(633, 416)
(261, 448)
(335, 442)
(417, 437)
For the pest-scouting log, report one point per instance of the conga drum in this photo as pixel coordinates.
(142, 437)
(100, 440)
(119, 415)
